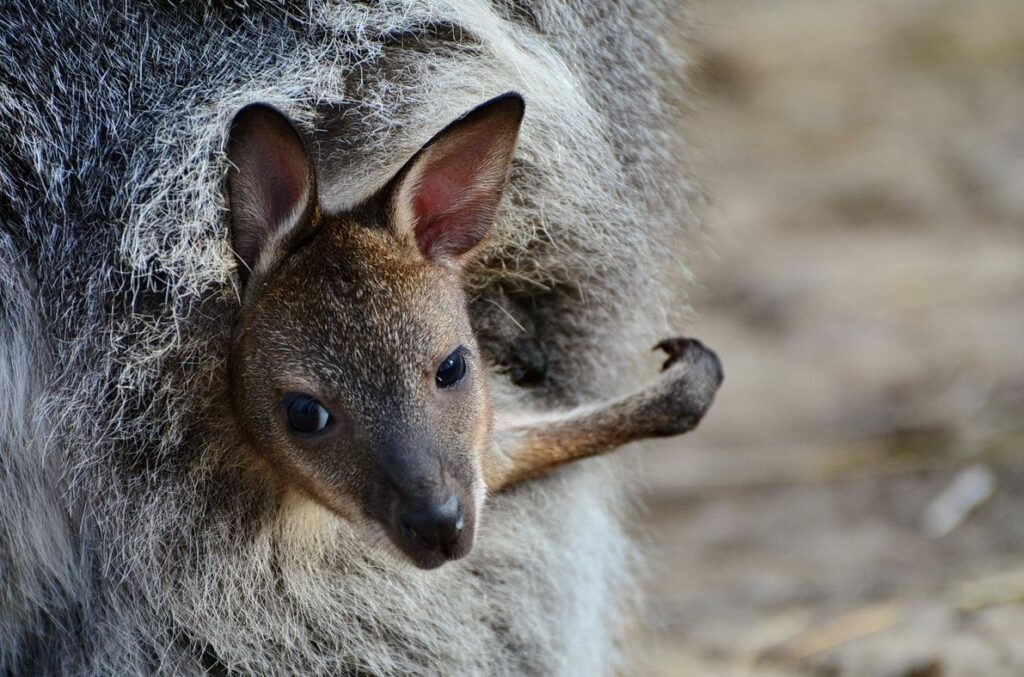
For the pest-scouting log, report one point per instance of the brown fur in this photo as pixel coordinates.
(672, 405)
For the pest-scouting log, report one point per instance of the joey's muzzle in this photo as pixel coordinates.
(436, 528)
(427, 511)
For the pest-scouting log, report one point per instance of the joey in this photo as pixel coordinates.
(354, 371)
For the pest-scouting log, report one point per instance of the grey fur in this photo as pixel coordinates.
(130, 543)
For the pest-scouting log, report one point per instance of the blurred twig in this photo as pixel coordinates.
(851, 626)
(1001, 588)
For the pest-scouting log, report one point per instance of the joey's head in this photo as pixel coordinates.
(354, 371)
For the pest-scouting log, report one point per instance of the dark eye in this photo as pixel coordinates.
(305, 414)
(452, 369)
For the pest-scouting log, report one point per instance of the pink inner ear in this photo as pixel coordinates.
(451, 207)
(447, 195)
(435, 194)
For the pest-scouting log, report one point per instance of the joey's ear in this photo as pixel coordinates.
(271, 185)
(444, 199)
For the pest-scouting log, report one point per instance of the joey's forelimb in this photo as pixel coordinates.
(671, 405)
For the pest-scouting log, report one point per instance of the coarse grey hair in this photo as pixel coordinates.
(131, 540)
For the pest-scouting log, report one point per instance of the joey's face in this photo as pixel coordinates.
(357, 374)
(353, 366)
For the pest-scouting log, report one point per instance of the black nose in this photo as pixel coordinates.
(436, 528)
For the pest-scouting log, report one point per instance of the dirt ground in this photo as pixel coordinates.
(854, 503)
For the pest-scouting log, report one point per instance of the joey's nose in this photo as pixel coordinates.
(436, 528)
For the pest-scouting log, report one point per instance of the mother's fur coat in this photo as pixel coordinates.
(131, 539)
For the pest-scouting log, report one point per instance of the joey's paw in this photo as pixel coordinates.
(692, 353)
(684, 392)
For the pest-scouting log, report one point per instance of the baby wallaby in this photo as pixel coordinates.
(353, 367)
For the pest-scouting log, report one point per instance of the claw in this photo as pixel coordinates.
(676, 348)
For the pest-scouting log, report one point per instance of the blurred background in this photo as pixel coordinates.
(854, 502)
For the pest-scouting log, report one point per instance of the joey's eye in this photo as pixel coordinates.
(452, 369)
(305, 414)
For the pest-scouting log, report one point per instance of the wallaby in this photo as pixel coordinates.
(354, 370)
(167, 298)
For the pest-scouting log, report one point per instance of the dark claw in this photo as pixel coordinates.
(678, 348)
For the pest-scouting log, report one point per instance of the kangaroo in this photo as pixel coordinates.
(355, 375)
